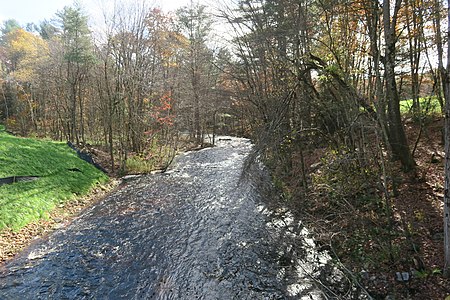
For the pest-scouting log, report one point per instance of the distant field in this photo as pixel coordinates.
(428, 105)
(62, 176)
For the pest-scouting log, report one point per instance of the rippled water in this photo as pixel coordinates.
(205, 229)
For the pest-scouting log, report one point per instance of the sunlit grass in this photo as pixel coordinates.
(62, 176)
(428, 106)
(138, 165)
(156, 156)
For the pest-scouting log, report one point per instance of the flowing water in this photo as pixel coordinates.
(205, 229)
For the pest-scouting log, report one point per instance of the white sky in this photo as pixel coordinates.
(27, 11)
(35, 11)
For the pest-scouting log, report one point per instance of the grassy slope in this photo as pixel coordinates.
(23, 202)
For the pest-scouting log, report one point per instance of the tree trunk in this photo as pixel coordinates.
(376, 89)
(446, 83)
(447, 181)
(439, 47)
(81, 111)
(396, 132)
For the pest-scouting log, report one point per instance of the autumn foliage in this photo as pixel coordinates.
(162, 112)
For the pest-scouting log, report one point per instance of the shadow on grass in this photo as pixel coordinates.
(53, 162)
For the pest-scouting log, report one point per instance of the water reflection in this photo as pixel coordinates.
(199, 231)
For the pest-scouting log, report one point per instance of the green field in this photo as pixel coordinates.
(62, 177)
(428, 106)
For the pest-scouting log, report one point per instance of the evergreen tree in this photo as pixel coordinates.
(78, 56)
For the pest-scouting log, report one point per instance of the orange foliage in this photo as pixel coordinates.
(162, 113)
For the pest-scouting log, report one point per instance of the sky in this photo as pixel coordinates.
(27, 11)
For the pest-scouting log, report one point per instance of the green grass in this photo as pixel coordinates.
(136, 165)
(24, 202)
(155, 156)
(428, 106)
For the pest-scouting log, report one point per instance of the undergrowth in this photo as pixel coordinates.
(371, 217)
(429, 106)
(156, 156)
(345, 191)
(345, 205)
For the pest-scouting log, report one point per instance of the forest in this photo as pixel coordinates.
(347, 103)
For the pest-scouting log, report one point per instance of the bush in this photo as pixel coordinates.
(139, 165)
(345, 176)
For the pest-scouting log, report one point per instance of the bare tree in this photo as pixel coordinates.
(195, 24)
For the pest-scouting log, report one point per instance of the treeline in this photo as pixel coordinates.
(324, 66)
(298, 68)
(147, 77)
(323, 81)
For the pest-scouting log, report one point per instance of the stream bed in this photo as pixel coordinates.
(207, 228)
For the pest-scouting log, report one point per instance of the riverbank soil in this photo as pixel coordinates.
(392, 245)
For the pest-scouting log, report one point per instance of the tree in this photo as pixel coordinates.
(136, 79)
(23, 52)
(446, 86)
(441, 72)
(396, 132)
(47, 30)
(76, 40)
(23, 55)
(9, 25)
(196, 25)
